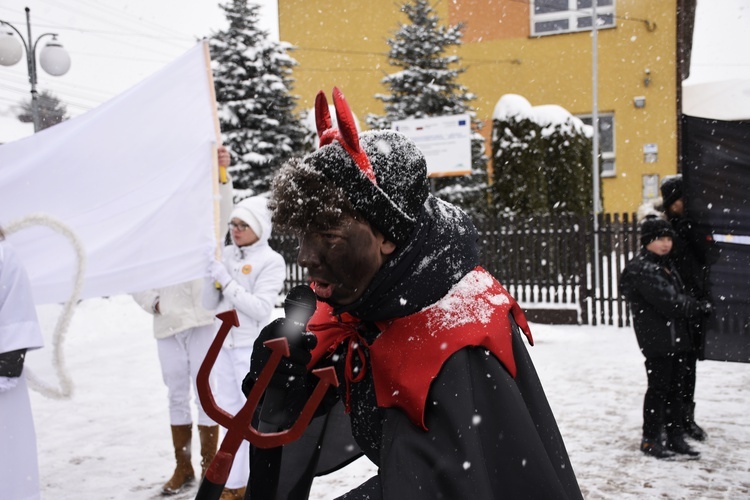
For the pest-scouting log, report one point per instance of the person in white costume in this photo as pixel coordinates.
(19, 332)
(251, 277)
(184, 330)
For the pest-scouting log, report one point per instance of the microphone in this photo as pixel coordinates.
(299, 306)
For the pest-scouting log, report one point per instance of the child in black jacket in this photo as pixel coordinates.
(661, 309)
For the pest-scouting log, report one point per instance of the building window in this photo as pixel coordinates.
(606, 142)
(551, 17)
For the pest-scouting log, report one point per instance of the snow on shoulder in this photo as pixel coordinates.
(469, 301)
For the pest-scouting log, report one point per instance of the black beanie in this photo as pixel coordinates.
(394, 204)
(671, 190)
(653, 227)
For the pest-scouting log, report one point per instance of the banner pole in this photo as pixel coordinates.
(218, 174)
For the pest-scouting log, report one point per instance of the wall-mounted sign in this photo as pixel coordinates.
(650, 187)
(444, 140)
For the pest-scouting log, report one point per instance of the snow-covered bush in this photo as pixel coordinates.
(542, 159)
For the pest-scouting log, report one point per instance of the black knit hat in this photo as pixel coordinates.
(382, 173)
(653, 227)
(671, 190)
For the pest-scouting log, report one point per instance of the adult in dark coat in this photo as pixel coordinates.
(439, 388)
(661, 311)
(690, 254)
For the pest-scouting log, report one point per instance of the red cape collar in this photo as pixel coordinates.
(409, 353)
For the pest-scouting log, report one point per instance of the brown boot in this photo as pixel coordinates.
(183, 472)
(233, 494)
(209, 442)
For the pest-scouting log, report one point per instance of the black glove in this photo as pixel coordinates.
(11, 363)
(291, 371)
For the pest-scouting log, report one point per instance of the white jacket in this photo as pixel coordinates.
(258, 273)
(180, 307)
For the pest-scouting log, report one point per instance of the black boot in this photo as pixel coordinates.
(655, 448)
(693, 430)
(676, 443)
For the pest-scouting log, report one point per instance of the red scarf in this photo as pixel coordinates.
(410, 351)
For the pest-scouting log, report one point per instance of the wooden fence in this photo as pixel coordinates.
(547, 263)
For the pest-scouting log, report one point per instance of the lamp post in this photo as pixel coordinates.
(53, 58)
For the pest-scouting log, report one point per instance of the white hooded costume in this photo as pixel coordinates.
(19, 329)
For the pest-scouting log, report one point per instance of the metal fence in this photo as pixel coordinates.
(547, 263)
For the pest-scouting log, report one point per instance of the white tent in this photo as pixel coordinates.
(727, 100)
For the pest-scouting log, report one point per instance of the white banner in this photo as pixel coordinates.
(132, 178)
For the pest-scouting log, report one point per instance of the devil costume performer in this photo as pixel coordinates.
(440, 391)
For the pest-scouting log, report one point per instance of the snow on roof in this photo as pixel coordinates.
(546, 115)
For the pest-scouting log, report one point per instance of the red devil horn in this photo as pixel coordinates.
(322, 114)
(345, 120)
(348, 135)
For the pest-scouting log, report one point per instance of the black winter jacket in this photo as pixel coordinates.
(659, 303)
(691, 256)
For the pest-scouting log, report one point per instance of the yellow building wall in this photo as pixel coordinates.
(343, 43)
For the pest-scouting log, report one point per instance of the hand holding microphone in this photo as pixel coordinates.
(291, 373)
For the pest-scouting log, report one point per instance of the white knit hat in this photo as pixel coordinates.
(243, 212)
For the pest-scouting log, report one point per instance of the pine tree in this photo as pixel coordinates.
(51, 110)
(252, 76)
(427, 86)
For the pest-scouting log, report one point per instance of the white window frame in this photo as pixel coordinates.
(605, 13)
(606, 155)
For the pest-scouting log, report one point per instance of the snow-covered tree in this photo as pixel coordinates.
(51, 110)
(252, 76)
(427, 86)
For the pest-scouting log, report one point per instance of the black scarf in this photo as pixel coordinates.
(441, 250)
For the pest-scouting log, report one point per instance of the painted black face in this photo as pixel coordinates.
(342, 260)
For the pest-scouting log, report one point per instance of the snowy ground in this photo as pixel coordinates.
(111, 440)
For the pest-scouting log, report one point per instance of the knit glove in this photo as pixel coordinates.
(219, 273)
(290, 386)
(291, 371)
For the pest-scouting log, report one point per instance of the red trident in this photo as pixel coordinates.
(239, 426)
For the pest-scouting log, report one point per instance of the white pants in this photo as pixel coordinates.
(231, 367)
(19, 469)
(181, 356)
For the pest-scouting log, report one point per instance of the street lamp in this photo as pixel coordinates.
(53, 58)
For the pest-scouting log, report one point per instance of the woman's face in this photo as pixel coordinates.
(242, 234)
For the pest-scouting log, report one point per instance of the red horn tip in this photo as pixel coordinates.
(322, 114)
(349, 137)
